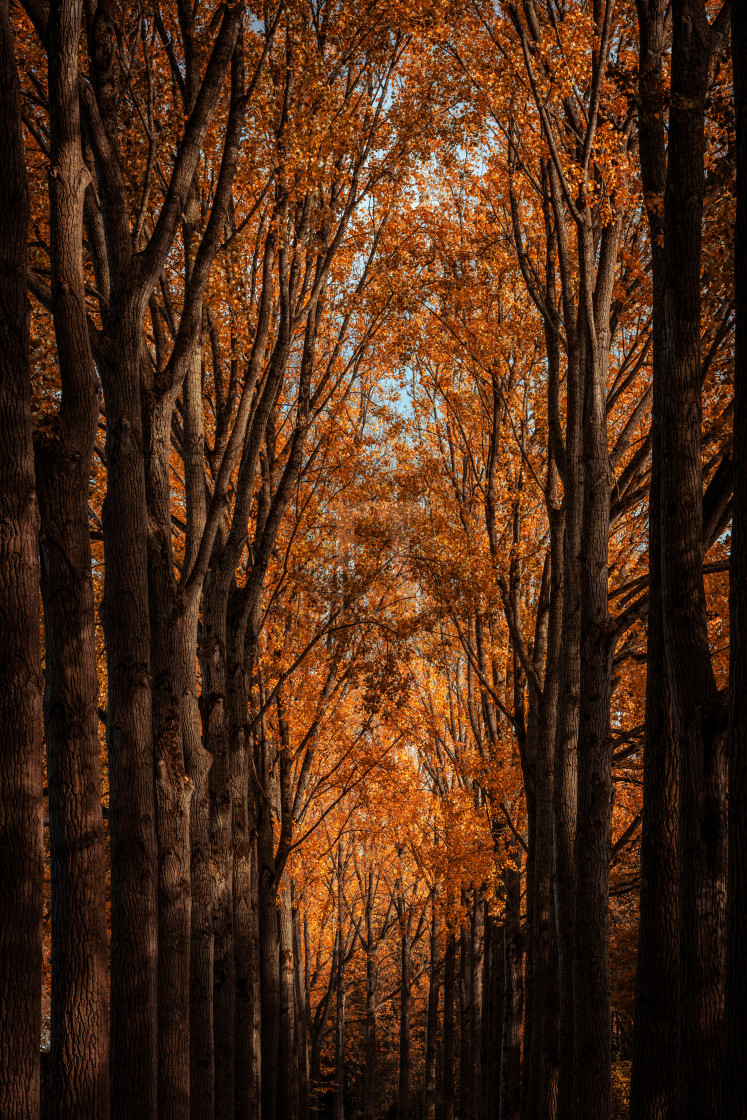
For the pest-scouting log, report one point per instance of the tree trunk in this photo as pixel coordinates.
(592, 1023)
(465, 1023)
(79, 1059)
(197, 762)
(21, 851)
(246, 961)
(403, 1092)
(302, 994)
(447, 1073)
(340, 1029)
(565, 789)
(288, 1050)
(269, 948)
(173, 787)
(653, 1091)
(735, 1087)
(476, 977)
(513, 999)
(695, 701)
(434, 983)
(369, 1091)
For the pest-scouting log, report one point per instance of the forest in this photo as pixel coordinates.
(373, 560)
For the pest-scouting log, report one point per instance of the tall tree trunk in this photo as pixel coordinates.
(21, 851)
(302, 994)
(465, 1022)
(403, 1092)
(79, 1060)
(245, 945)
(215, 721)
(340, 1027)
(695, 701)
(476, 978)
(653, 1093)
(447, 1073)
(513, 998)
(269, 948)
(592, 1024)
(197, 762)
(565, 789)
(431, 1030)
(369, 1090)
(735, 1086)
(288, 1051)
(173, 788)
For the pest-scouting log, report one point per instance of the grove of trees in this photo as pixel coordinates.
(373, 560)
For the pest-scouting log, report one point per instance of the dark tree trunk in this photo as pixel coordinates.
(735, 1087)
(213, 661)
(592, 1022)
(21, 852)
(431, 1035)
(465, 1022)
(653, 1093)
(79, 1059)
(447, 1072)
(513, 999)
(476, 971)
(288, 1051)
(173, 788)
(565, 789)
(302, 995)
(369, 1091)
(269, 948)
(245, 901)
(197, 762)
(403, 1092)
(340, 1028)
(696, 705)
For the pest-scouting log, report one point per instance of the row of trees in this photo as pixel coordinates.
(371, 429)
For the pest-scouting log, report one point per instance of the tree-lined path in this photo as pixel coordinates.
(373, 560)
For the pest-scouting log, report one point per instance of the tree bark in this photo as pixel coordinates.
(79, 1059)
(403, 1091)
(447, 1073)
(697, 708)
(21, 851)
(510, 1104)
(288, 1051)
(465, 1022)
(654, 1067)
(434, 984)
(735, 1087)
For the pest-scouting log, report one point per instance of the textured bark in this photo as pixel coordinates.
(513, 999)
(696, 705)
(476, 985)
(565, 788)
(197, 763)
(592, 1023)
(434, 984)
(172, 786)
(246, 934)
(654, 1069)
(369, 1090)
(288, 1048)
(465, 1023)
(302, 986)
(403, 1088)
(447, 1071)
(269, 948)
(213, 661)
(339, 1108)
(21, 852)
(735, 1086)
(79, 1058)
